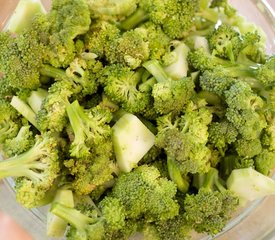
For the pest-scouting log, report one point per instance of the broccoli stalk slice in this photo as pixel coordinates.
(249, 185)
(176, 176)
(138, 17)
(23, 15)
(26, 164)
(24, 109)
(72, 216)
(56, 226)
(154, 67)
(36, 98)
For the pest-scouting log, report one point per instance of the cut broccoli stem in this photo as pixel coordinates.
(23, 15)
(134, 20)
(154, 67)
(249, 185)
(132, 140)
(148, 85)
(210, 179)
(24, 109)
(36, 98)
(72, 216)
(175, 175)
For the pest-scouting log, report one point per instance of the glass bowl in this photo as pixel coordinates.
(253, 222)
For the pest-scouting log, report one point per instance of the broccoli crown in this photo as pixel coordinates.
(264, 161)
(21, 57)
(90, 128)
(248, 148)
(185, 138)
(225, 42)
(99, 36)
(10, 122)
(216, 82)
(22, 142)
(210, 208)
(52, 114)
(66, 20)
(121, 86)
(36, 169)
(221, 134)
(143, 193)
(130, 49)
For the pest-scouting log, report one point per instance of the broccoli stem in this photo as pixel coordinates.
(210, 98)
(22, 165)
(210, 179)
(25, 110)
(134, 20)
(154, 67)
(36, 98)
(72, 216)
(175, 175)
(52, 72)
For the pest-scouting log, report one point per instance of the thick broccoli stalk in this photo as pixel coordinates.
(170, 95)
(143, 193)
(209, 210)
(121, 86)
(35, 170)
(184, 138)
(90, 128)
(88, 222)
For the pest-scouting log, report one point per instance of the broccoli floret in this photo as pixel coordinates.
(248, 148)
(130, 49)
(265, 161)
(121, 86)
(268, 137)
(224, 5)
(9, 121)
(66, 20)
(100, 36)
(21, 57)
(169, 95)
(143, 193)
(225, 42)
(242, 111)
(216, 82)
(35, 170)
(90, 128)
(22, 142)
(101, 167)
(175, 17)
(209, 210)
(221, 134)
(184, 138)
(88, 222)
(158, 40)
(52, 115)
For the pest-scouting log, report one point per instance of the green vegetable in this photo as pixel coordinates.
(154, 117)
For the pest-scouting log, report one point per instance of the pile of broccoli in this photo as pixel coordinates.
(151, 117)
